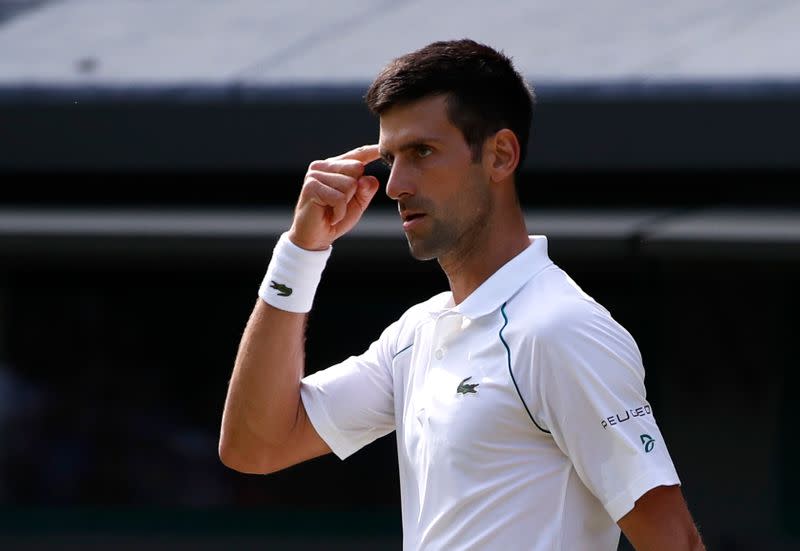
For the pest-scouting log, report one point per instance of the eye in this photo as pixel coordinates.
(424, 151)
(387, 161)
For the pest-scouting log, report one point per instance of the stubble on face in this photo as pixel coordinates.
(447, 184)
(452, 229)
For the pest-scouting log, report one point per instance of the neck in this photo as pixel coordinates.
(483, 253)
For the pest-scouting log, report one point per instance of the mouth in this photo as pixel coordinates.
(412, 219)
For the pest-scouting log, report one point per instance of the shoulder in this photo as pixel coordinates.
(420, 312)
(400, 334)
(557, 315)
(551, 305)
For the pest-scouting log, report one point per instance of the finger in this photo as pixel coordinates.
(367, 187)
(350, 167)
(341, 182)
(326, 196)
(365, 154)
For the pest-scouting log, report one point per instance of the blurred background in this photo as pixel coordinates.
(151, 153)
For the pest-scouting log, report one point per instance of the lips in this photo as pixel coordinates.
(411, 216)
(411, 219)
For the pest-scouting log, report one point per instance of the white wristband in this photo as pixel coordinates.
(292, 276)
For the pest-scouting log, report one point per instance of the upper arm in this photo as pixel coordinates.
(350, 404)
(344, 407)
(304, 443)
(593, 401)
(301, 443)
(660, 521)
(341, 409)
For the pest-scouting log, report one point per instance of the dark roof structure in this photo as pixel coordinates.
(121, 42)
(626, 90)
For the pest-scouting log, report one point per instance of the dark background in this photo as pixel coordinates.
(116, 346)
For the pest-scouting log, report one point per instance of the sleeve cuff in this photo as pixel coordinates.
(322, 423)
(624, 502)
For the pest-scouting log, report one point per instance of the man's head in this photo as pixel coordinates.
(454, 120)
(484, 92)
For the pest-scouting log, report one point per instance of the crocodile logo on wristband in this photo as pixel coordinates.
(283, 290)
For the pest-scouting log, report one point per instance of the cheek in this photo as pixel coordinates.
(464, 201)
(447, 176)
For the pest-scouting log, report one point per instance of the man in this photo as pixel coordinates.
(518, 402)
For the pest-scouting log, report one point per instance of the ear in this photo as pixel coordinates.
(502, 154)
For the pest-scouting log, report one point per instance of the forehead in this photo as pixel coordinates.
(424, 119)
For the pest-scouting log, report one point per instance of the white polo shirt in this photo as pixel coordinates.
(521, 415)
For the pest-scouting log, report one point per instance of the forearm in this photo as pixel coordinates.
(261, 408)
(660, 521)
(693, 543)
(681, 542)
(264, 425)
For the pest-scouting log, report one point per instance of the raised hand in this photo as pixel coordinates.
(334, 196)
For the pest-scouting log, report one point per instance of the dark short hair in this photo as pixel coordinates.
(484, 91)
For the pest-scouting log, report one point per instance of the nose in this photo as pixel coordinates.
(399, 184)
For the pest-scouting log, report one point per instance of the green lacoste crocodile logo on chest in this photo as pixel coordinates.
(467, 388)
(283, 290)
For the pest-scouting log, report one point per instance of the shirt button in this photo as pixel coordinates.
(439, 354)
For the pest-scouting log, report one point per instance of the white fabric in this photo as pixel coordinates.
(547, 459)
(292, 276)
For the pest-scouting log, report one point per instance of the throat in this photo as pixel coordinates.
(469, 268)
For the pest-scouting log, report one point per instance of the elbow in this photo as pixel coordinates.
(244, 461)
(696, 542)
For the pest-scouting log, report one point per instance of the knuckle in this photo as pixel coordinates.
(352, 167)
(316, 165)
(312, 188)
(331, 193)
(332, 179)
(311, 181)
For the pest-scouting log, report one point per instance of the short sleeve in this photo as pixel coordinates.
(351, 403)
(594, 404)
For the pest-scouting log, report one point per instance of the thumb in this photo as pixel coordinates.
(367, 187)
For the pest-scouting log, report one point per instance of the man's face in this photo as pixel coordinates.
(442, 195)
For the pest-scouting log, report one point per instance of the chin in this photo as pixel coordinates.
(419, 251)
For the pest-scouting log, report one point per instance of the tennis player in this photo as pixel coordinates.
(518, 402)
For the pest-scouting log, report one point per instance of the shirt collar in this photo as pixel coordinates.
(502, 284)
